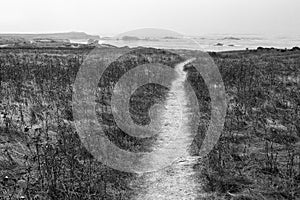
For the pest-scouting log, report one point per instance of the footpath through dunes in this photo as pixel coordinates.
(177, 181)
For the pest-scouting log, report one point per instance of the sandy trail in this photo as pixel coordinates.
(178, 181)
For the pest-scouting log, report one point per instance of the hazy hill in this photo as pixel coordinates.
(150, 33)
(67, 35)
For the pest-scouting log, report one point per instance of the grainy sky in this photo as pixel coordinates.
(190, 17)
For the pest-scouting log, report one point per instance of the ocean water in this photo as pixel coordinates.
(213, 42)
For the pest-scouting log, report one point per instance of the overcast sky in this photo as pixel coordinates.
(190, 17)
